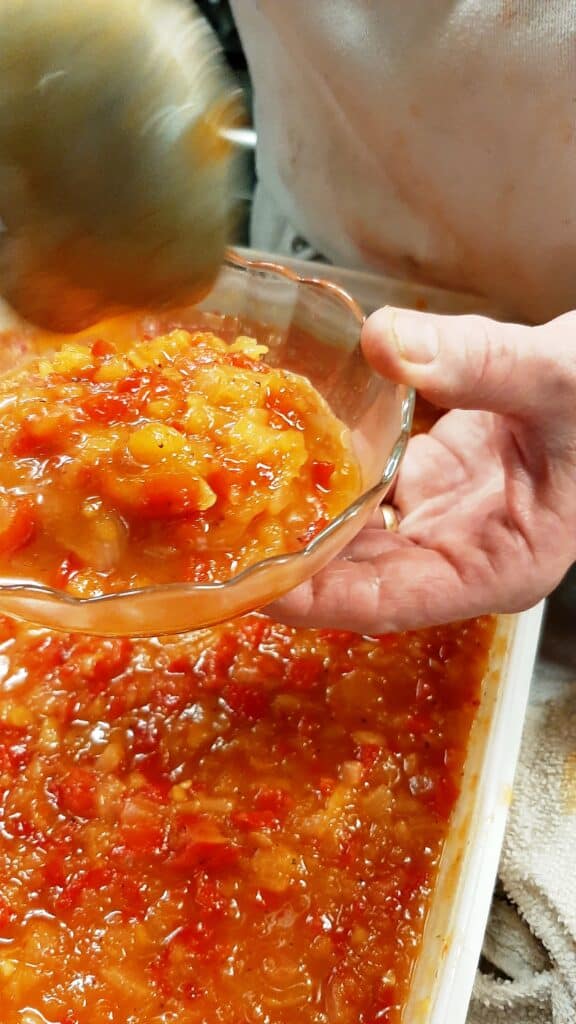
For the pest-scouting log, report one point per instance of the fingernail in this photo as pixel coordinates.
(415, 336)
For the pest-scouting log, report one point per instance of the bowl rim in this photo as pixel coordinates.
(373, 495)
(235, 259)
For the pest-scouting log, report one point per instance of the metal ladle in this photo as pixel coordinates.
(115, 167)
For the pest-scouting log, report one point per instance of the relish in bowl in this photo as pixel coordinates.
(176, 458)
(165, 472)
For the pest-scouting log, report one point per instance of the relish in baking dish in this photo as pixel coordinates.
(239, 826)
(173, 458)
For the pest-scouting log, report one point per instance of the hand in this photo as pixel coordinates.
(486, 500)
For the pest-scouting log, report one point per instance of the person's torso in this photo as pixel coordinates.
(430, 139)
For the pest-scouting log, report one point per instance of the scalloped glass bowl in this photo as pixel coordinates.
(311, 327)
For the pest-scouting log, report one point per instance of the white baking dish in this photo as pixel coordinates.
(444, 974)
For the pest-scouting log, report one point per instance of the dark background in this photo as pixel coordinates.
(219, 15)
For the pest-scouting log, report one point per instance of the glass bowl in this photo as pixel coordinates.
(311, 327)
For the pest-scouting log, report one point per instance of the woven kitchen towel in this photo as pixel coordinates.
(527, 973)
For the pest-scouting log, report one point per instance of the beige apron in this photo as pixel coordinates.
(429, 139)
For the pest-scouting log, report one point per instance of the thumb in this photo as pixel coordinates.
(471, 362)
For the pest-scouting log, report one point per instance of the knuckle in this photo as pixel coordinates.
(491, 355)
(556, 355)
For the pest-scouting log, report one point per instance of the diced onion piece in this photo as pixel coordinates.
(154, 442)
(249, 346)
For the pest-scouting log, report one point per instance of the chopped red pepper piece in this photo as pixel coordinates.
(102, 348)
(17, 524)
(106, 407)
(321, 473)
(77, 793)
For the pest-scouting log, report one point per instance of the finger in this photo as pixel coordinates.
(385, 517)
(471, 362)
(402, 587)
(405, 587)
(429, 466)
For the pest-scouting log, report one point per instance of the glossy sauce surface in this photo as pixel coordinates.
(241, 826)
(172, 458)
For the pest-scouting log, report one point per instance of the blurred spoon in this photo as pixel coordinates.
(115, 169)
